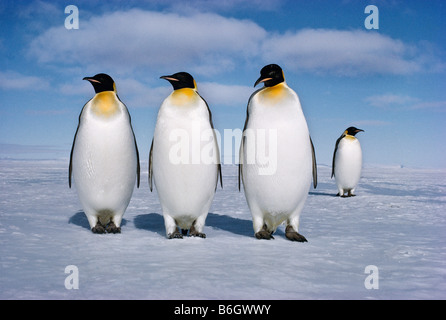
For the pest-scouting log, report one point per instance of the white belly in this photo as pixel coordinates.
(348, 164)
(184, 167)
(105, 165)
(278, 193)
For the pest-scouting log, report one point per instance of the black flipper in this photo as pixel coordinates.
(334, 154)
(242, 142)
(219, 174)
(138, 168)
(151, 167)
(70, 167)
(313, 154)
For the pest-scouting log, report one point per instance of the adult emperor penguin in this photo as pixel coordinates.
(276, 189)
(104, 160)
(184, 160)
(347, 162)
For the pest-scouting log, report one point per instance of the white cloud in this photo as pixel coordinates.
(341, 52)
(136, 94)
(210, 44)
(386, 100)
(433, 105)
(404, 102)
(162, 41)
(225, 95)
(11, 80)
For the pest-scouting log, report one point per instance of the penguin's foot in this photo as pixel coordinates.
(293, 235)
(194, 233)
(348, 195)
(112, 228)
(197, 234)
(98, 228)
(342, 195)
(264, 234)
(175, 235)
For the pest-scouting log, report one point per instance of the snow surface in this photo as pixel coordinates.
(397, 222)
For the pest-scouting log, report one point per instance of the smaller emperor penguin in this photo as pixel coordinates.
(184, 160)
(347, 162)
(277, 158)
(104, 160)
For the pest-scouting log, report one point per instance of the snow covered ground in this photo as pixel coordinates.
(397, 222)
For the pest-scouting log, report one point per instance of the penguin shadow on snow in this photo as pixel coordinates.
(155, 222)
(234, 225)
(313, 193)
(152, 222)
(237, 226)
(324, 187)
(80, 219)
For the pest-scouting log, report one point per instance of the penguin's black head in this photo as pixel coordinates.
(102, 82)
(181, 80)
(352, 131)
(270, 75)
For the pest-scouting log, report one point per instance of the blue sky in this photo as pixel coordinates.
(390, 81)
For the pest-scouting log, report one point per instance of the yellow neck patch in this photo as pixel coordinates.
(183, 96)
(105, 104)
(349, 137)
(274, 93)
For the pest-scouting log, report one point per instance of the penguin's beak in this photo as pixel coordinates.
(91, 79)
(261, 80)
(169, 78)
(359, 130)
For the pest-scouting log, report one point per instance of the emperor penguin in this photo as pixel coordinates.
(276, 188)
(104, 159)
(347, 162)
(184, 159)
